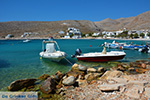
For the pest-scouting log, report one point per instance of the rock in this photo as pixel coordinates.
(55, 77)
(141, 70)
(82, 83)
(143, 65)
(133, 92)
(121, 68)
(82, 68)
(110, 87)
(135, 64)
(92, 76)
(20, 84)
(142, 61)
(93, 81)
(125, 65)
(69, 80)
(101, 70)
(147, 92)
(58, 86)
(111, 74)
(43, 77)
(65, 88)
(75, 67)
(118, 80)
(148, 66)
(131, 69)
(48, 85)
(75, 74)
(140, 83)
(91, 70)
(59, 74)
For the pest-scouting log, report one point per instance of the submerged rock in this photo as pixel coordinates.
(20, 84)
(48, 86)
(69, 80)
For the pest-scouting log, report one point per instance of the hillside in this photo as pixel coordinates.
(17, 28)
(51, 28)
(141, 21)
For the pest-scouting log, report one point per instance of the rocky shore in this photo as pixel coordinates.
(122, 82)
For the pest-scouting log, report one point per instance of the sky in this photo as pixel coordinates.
(56, 10)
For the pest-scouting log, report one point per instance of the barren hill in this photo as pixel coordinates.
(141, 21)
(46, 28)
(17, 28)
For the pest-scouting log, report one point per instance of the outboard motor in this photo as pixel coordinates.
(77, 52)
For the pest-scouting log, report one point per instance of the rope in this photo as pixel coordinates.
(68, 61)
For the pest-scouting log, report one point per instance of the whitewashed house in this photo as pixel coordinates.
(95, 34)
(118, 32)
(75, 33)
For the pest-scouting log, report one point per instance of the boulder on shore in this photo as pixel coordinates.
(48, 85)
(111, 74)
(69, 80)
(91, 70)
(82, 68)
(20, 84)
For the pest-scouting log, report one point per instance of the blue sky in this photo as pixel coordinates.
(55, 10)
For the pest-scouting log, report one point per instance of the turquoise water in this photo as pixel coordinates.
(20, 60)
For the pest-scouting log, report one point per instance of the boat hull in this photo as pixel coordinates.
(57, 56)
(101, 58)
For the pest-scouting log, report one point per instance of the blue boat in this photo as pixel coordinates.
(132, 47)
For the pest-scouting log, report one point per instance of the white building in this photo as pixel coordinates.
(108, 33)
(118, 32)
(75, 33)
(95, 34)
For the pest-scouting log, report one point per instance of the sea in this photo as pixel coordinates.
(19, 60)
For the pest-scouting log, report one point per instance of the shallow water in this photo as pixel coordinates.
(20, 60)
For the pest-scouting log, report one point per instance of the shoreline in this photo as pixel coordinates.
(82, 82)
(98, 38)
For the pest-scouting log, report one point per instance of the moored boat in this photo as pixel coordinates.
(51, 53)
(132, 47)
(145, 49)
(27, 40)
(113, 45)
(100, 56)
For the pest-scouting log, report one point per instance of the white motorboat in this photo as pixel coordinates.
(51, 53)
(99, 56)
